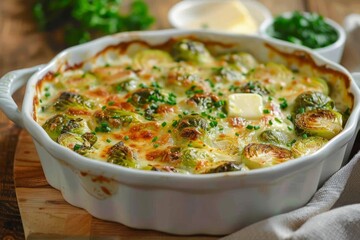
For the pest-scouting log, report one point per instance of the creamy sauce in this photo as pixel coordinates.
(152, 131)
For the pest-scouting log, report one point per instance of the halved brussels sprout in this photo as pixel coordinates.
(126, 85)
(191, 51)
(222, 166)
(148, 58)
(144, 96)
(192, 126)
(191, 156)
(78, 80)
(71, 141)
(122, 155)
(70, 99)
(206, 101)
(241, 61)
(250, 87)
(306, 146)
(223, 74)
(274, 136)
(319, 122)
(115, 117)
(80, 144)
(320, 84)
(259, 155)
(312, 100)
(61, 123)
(278, 73)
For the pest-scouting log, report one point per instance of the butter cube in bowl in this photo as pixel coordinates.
(230, 16)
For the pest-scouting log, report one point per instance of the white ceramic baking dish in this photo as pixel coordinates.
(181, 204)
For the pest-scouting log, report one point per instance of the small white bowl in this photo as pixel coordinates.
(184, 14)
(333, 52)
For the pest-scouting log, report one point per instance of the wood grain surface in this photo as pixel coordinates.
(44, 213)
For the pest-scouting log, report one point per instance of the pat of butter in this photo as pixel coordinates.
(246, 105)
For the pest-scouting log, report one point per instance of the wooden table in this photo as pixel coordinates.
(21, 45)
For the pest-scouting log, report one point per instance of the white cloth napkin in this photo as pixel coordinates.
(332, 213)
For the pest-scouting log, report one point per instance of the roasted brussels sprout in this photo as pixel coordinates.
(90, 139)
(122, 155)
(274, 136)
(223, 74)
(126, 85)
(192, 127)
(279, 73)
(144, 96)
(80, 144)
(70, 99)
(319, 122)
(115, 117)
(61, 123)
(219, 167)
(191, 156)
(241, 61)
(148, 58)
(320, 84)
(306, 146)
(258, 155)
(312, 100)
(191, 51)
(250, 87)
(207, 101)
(70, 140)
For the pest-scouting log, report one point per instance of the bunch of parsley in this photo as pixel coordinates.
(81, 19)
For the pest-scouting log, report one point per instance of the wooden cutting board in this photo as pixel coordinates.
(45, 214)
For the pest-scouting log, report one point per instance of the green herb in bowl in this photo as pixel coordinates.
(307, 29)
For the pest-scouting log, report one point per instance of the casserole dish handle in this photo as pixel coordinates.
(9, 83)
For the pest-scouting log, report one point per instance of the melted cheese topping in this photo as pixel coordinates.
(145, 109)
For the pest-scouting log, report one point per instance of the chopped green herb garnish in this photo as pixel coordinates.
(305, 135)
(213, 124)
(155, 85)
(222, 115)
(156, 68)
(256, 127)
(278, 120)
(77, 147)
(290, 128)
(174, 123)
(250, 127)
(163, 124)
(108, 140)
(126, 138)
(270, 122)
(266, 111)
(142, 85)
(156, 145)
(284, 103)
(154, 139)
(210, 83)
